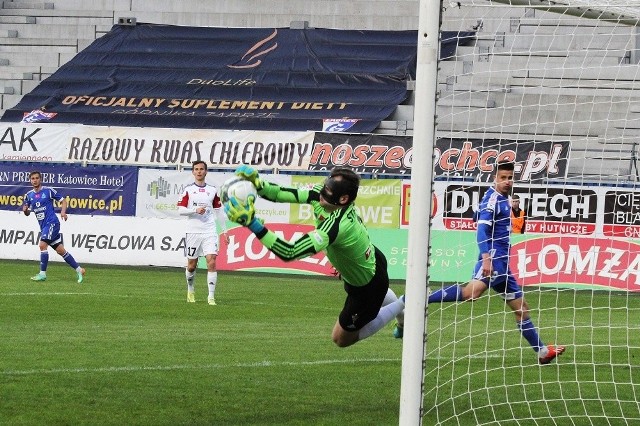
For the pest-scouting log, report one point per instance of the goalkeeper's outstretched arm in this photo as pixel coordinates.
(282, 194)
(273, 192)
(307, 245)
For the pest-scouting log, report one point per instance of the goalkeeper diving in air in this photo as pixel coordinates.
(370, 303)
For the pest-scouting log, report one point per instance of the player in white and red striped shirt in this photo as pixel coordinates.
(201, 204)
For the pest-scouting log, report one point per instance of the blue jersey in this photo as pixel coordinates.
(494, 224)
(41, 203)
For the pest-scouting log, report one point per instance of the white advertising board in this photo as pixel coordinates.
(136, 146)
(92, 239)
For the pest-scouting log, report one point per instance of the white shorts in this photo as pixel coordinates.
(196, 245)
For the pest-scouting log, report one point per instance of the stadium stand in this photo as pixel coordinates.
(37, 37)
(53, 32)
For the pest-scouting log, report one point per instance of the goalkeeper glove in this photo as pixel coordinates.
(244, 215)
(250, 174)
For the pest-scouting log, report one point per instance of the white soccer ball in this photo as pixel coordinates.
(238, 188)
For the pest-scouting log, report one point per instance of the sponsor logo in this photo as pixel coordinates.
(159, 188)
(363, 157)
(338, 125)
(592, 262)
(246, 252)
(252, 57)
(549, 210)
(37, 115)
(476, 158)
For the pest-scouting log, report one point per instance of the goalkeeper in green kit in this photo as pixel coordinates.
(340, 232)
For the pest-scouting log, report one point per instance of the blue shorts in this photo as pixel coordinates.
(51, 235)
(502, 280)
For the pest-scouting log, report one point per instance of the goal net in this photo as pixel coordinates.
(554, 87)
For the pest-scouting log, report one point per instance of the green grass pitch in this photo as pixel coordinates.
(125, 348)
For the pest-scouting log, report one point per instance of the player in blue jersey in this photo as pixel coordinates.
(492, 270)
(40, 201)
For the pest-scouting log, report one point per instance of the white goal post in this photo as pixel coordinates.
(553, 86)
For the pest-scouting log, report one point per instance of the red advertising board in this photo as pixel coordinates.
(589, 261)
(245, 252)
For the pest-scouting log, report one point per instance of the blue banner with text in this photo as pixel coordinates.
(313, 79)
(98, 190)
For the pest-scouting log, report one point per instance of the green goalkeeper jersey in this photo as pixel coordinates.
(341, 233)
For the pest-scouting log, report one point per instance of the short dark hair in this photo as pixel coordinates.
(35, 172)
(349, 184)
(515, 197)
(195, 163)
(506, 165)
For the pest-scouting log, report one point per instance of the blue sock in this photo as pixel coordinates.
(70, 260)
(530, 333)
(448, 294)
(44, 260)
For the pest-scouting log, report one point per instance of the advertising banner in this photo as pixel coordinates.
(622, 213)
(114, 240)
(606, 263)
(291, 151)
(549, 210)
(95, 190)
(363, 153)
(149, 241)
(149, 75)
(393, 243)
(461, 158)
(245, 252)
(154, 147)
(159, 191)
(567, 242)
(378, 202)
(476, 158)
(576, 236)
